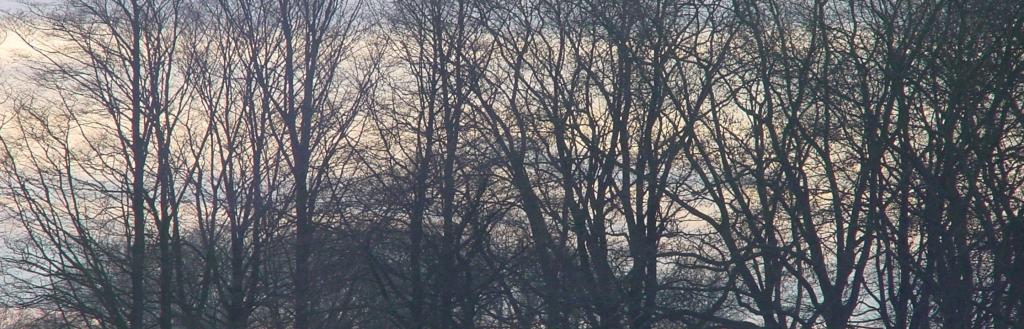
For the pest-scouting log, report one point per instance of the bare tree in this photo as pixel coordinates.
(516, 164)
(317, 107)
(110, 66)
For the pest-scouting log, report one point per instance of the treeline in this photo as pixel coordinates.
(515, 164)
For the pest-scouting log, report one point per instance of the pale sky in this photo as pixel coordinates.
(10, 4)
(15, 4)
(11, 46)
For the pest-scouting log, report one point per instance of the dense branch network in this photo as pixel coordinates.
(514, 164)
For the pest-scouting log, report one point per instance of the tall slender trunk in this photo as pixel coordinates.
(417, 300)
(138, 202)
(164, 240)
(165, 180)
(303, 228)
(544, 248)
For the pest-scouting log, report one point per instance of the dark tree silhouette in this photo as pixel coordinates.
(513, 164)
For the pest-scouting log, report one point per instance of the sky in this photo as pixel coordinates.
(15, 4)
(10, 4)
(5, 5)
(11, 46)
(11, 49)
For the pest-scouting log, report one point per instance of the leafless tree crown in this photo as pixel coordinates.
(441, 164)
